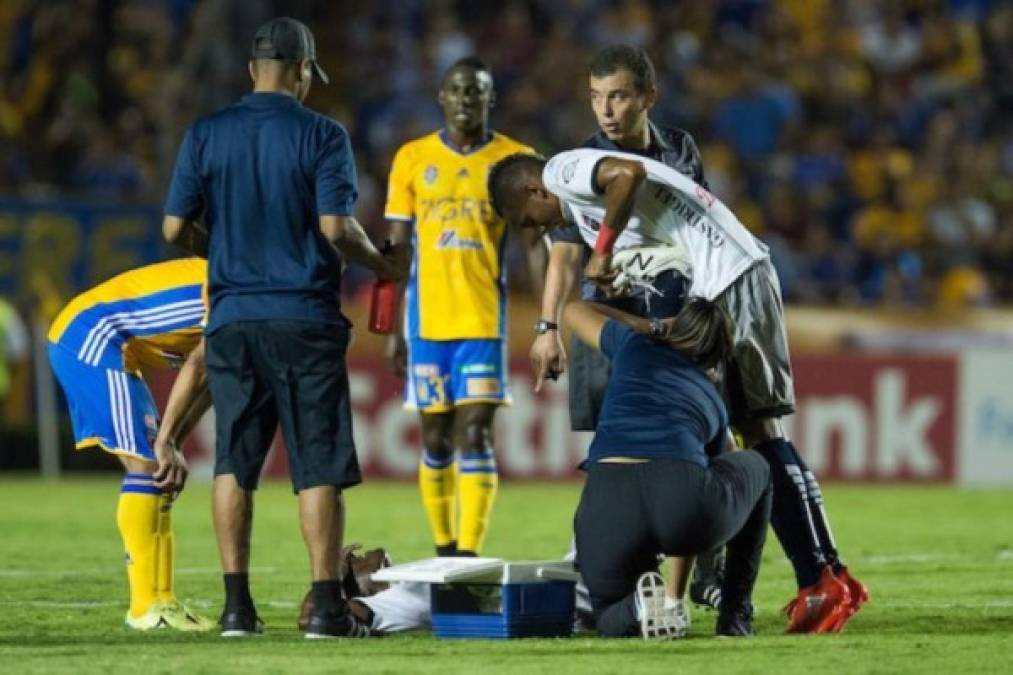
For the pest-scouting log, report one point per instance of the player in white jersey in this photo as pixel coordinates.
(670, 209)
(623, 201)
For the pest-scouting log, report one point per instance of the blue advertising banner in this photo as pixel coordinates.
(67, 246)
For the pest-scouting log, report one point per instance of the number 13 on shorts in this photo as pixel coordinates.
(431, 391)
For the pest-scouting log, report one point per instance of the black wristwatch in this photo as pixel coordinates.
(657, 328)
(542, 327)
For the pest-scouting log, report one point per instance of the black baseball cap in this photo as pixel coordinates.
(287, 39)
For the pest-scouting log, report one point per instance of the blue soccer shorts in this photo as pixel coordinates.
(111, 409)
(443, 374)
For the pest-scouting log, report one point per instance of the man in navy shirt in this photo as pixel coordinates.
(274, 184)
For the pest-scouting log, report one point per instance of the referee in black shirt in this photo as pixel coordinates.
(274, 184)
(623, 88)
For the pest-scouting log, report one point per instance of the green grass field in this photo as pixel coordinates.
(939, 563)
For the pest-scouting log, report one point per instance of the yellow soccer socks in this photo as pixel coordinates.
(165, 549)
(477, 486)
(438, 487)
(137, 517)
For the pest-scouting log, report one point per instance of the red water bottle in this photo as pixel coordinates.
(383, 303)
(383, 307)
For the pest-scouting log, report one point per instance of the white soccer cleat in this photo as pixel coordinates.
(638, 267)
(656, 622)
(155, 618)
(679, 611)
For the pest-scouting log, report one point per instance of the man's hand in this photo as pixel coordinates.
(397, 354)
(598, 270)
(548, 358)
(399, 262)
(172, 469)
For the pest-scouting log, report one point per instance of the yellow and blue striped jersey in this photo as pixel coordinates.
(151, 316)
(457, 286)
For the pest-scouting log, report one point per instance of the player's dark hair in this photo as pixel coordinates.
(472, 62)
(611, 59)
(703, 332)
(509, 174)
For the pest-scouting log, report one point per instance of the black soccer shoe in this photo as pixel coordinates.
(331, 625)
(708, 576)
(241, 623)
(735, 620)
(447, 550)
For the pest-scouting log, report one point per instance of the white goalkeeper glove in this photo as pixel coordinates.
(637, 268)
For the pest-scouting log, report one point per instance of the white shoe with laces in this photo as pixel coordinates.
(679, 611)
(656, 622)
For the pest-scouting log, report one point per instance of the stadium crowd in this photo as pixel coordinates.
(869, 143)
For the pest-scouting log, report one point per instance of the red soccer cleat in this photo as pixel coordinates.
(819, 608)
(859, 596)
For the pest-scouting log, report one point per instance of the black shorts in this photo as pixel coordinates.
(263, 372)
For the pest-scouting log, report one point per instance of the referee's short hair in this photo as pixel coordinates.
(615, 57)
(509, 174)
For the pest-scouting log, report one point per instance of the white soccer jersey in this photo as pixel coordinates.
(670, 209)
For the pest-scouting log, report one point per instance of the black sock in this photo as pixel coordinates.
(447, 550)
(237, 591)
(464, 553)
(790, 516)
(819, 514)
(327, 596)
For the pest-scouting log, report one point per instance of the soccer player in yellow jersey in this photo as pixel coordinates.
(453, 350)
(153, 317)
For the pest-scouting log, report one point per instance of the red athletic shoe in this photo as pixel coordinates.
(819, 608)
(859, 596)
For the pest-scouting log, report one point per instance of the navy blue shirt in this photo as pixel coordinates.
(658, 403)
(262, 172)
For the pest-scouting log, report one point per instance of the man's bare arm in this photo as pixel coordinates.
(548, 358)
(619, 179)
(350, 239)
(560, 278)
(187, 391)
(188, 396)
(397, 348)
(189, 235)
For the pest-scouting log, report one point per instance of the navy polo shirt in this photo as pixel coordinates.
(658, 403)
(262, 172)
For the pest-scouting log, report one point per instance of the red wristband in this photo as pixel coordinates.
(606, 240)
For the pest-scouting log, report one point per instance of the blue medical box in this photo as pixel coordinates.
(493, 598)
(499, 611)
